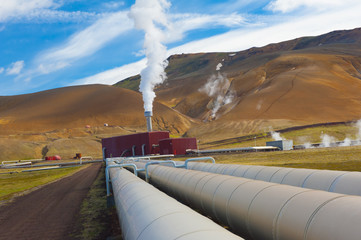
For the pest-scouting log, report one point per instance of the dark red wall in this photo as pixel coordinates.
(115, 146)
(177, 146)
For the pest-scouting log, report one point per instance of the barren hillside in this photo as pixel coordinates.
(71, 120)
(302, 81)
(76, 107)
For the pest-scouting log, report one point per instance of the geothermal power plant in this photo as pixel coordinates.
(148, 143)
(200, 199)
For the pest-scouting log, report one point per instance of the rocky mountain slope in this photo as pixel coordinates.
(302, 81)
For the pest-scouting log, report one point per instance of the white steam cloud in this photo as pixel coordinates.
(346, 143)
(218, 67)
(358, 125)
(149, 16)
(217, 87)
(276, 136)
(329, 141)
(308, 145)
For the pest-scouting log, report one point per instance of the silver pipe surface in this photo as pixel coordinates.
(133, 150)
(143, 149)
(262, 210)
(148, 115)
(327, 180)
(146, 213)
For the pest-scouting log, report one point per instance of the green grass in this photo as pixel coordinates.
(96, 220)
(339, 132)
(340, 158)
(11, 184)
(299, 137)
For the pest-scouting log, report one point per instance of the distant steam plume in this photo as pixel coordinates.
(218, 67)
(308, 145)
(149, 16)
(217, 87)
(276, 136)
(327, 140)
(358, 137)
(346, 143)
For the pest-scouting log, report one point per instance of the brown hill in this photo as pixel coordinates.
(302, 81)
(76, 107)
(54, 121)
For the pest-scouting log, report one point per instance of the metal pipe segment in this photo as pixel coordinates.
(332, 181)
(263, 210)
(147, 213)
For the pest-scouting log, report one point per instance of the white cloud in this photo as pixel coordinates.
(140, 53)
(113, 5)
(244, 38)
(114, 75)
(15, 68)
(182, 23)
(300, 26)
(84, 43)
(1, 70)
(291, 5)
(90, 40)
(40, 11)
(55, 16)
(14, 8)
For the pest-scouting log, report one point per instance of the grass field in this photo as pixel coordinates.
(12, 184)
(308, 135)
(339, 158)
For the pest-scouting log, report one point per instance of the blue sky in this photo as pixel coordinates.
(47, 44)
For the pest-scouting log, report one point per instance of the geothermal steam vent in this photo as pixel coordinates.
(148, 116)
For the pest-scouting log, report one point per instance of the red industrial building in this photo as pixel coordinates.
(177, 146)
(56, 157)
(147, 143)
(139, 144)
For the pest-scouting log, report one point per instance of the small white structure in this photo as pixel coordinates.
(284, 145)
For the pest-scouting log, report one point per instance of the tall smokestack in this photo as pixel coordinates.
(148, 115)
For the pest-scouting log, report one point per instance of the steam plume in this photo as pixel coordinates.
(217, 87)
(346, 143)
(358, 125)
(276, 136)
(327, 140)
(149, 16)
(307, 145)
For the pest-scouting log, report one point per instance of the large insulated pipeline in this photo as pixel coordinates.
(326, 180)
(147, 213)
(262, 210)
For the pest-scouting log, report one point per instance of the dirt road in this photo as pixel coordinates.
(49, 212)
